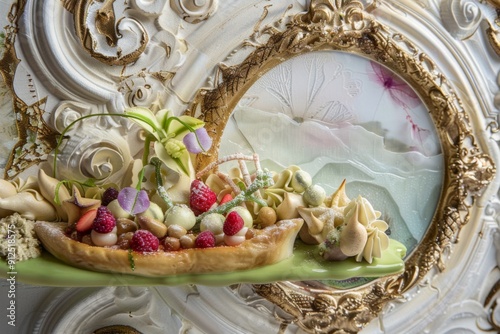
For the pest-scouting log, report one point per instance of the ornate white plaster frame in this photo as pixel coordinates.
(176, 47)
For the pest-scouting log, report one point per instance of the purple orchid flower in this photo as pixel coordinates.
(133, 201)
(198, 141)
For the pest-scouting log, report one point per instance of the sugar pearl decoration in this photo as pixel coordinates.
(267, 216)
(301, 180)
(314, 195)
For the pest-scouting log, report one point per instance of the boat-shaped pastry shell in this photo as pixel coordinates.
(268, 246)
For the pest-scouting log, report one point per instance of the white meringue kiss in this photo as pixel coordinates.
(238, 238)
(104, 239)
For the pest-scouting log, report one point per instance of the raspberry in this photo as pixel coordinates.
(104, 221)
(233, 223)
(109, 195)
(201, 198)
(205, 239)
(144, 241)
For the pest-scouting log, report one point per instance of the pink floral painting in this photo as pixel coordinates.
(402, 95)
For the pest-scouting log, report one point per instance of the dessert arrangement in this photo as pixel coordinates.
(208, 221)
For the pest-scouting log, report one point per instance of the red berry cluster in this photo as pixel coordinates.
(144, 241)
(233, 223)
(104, 221)
(109, 195)
(205, 239)
(201, 198)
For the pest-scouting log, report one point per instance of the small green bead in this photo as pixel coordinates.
(314, 195)
(301, 180)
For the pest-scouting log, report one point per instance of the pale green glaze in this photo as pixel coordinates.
(303, 265)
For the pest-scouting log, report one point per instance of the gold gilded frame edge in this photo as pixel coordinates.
(347, 25)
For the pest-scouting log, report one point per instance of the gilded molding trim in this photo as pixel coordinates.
(491, 302)
(495, 3)
(100, 31)
(346, 25)
(35, 139)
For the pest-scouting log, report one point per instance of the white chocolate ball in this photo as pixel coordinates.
(219, 239)
(314, 195)
(154, 211)
(104, 239)
(117, 210)
(244, 214)
(212, 222)
(180, 215)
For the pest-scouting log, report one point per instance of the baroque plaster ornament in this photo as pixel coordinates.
(111, 40)
(461, 17)
(357, 31)
(144, 90)
(194, 11)
(95, 153)
(30, 124)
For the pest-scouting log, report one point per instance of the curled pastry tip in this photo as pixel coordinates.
(77, 205)
(50, 188)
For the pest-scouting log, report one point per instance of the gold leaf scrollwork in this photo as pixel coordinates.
(102, 15)
(35, 139)
(491, 301)
(492, 31)
(348, 26)
(495, 3)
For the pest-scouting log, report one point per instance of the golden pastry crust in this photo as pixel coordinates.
(269, 245)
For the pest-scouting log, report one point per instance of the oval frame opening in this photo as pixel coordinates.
(348, 27)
